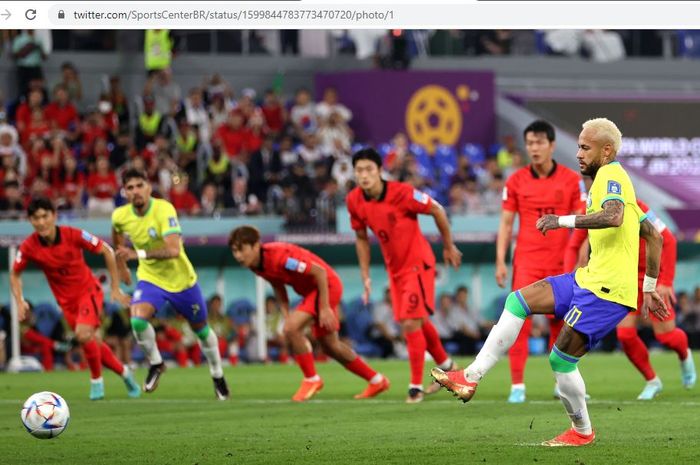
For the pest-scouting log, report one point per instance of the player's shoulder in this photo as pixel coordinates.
(162, 205)
(120, 213)
(519, 175)
(30, 242)
(354, 197)
(568, 173)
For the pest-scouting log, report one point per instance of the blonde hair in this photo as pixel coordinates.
(605, 130)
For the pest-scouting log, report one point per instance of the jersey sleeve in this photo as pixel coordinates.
(355, 221)
(294, 263)
(167, 220)
(22, 258)
(85, 240)
(510, 195)
(611, 186)
(415, 201)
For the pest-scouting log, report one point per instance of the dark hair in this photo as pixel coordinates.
(132, 173)
(243, 235)
(367, 154)
(11, 183)
(541, 126)
(40, 203)
(461, 289)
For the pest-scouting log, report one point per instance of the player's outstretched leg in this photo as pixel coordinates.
(463, 383)
(146, 339)
(85, 335)
(343, 354)
(294, 327)
(637, 353)
(437, 351)
(110, 361)
(677, 340)
(209, 344)
(416, 346)
(573, 395)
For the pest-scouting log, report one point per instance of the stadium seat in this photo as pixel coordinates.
(475, 153)
(240, 311)
(384, 150)
(356, 147)
(688, 43)
(358, 320)
(47, 316)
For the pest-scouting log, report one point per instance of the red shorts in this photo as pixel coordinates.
(640, 300)
(310, 305)
(523, 277)
(413, 293)
(86, 311)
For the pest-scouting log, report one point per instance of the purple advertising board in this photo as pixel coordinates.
(430, 107)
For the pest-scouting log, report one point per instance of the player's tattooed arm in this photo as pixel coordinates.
(654, 245)
(170, 250)
(610, 217)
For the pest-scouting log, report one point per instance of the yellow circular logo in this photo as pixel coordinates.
(433, 117)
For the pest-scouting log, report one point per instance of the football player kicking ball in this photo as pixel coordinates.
(665, 330)
(164, 273)
(58, 251)
(390, 209)
(591, 301)
(284, 264)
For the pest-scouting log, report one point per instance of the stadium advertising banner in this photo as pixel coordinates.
(430, 107)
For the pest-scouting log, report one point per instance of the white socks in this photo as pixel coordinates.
(210, 348)
(147, 342)
(500, 339)
(572, 392)
(447, 364)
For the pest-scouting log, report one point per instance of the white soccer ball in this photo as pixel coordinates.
(45, 415)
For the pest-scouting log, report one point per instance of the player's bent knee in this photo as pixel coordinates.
(561, 362)
(516, 305)
(203, 333)
(85, 335)
(139, 325)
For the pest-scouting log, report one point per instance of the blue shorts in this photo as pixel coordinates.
(583, 310)
(188, 303)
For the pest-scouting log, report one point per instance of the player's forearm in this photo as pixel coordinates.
(654, 245)
(363, 256)
(16, 287)
(505, 234)
(163, 253)
(321, 278)
(111, 264)
(443, 224)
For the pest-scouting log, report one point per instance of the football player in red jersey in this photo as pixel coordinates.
(312, 278)
(390, 209)
(665, 329)
(58, 251)
(541, 188)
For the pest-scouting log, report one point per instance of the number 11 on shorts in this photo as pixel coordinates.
(572, 316)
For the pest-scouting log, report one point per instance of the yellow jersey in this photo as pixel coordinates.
(611, 273)
(148, 232)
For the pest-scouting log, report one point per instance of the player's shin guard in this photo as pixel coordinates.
(93, 356)
(110, 360)
(209, 344)
(636, 351)
(416, 345)
(434, 345)
(146, 339)
(572, 389)
(501, 337)
(676, 340)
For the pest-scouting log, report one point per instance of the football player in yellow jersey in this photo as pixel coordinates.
(164, 274)
(591, 301)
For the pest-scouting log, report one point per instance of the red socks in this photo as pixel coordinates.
(306, 363)
(361, 369)
(676, 340)
(416, 345)
(93, 355)
(432, 339)
(636, 351)
(518, 353)
(109, 360)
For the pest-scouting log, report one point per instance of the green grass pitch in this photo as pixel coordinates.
(181, 423)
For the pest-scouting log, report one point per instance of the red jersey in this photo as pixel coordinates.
(283, 263)
(62, 262)
(561, 192)
(102, 186)
(667, 271)
(393, 218)
(65, 117)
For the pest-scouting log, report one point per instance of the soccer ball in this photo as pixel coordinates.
(45, 415)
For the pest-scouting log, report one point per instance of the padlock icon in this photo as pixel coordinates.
(61, 14)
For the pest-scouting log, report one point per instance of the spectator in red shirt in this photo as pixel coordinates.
(274, 113)
(23, 116)
(37, 152)
(109, 117)
(69, 184)
(62, 114)
(102, 187)
(256, 133)
(233, 136)
(38, 127)
(182, 198)
(93, 128)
